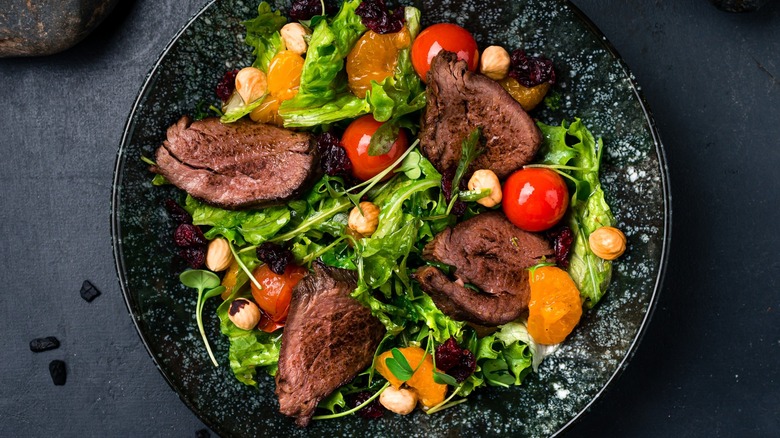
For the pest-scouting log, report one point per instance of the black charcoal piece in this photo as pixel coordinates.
(203, 433)
(88, 291)
(44, 344)
(58, 373)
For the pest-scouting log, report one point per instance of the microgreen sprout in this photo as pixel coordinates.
(207, 285)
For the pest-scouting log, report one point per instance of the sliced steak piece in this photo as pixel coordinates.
(328, 339)
(237, 165)
(490, 253)
(460, 101)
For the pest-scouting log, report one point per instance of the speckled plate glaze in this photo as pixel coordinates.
(594, 85)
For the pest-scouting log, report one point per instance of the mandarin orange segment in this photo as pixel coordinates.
(284, 78)
(555, 307)
(428, 391)
(373, 58)
(528, 98)
(229, 280)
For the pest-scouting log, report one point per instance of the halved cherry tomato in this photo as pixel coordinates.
(535, 199)
(274, 297)
(443, 36)
(356, 140)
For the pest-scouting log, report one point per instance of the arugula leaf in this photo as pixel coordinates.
(572, 150)
(470, 150)
(336, 398)
(382, 140)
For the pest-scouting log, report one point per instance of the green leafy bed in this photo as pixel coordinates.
(412, 211)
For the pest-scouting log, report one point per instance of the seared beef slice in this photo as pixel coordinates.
(328, 339)
(460, 101)
(237, 165)
(490, 253)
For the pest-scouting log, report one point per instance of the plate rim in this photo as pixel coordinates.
(116, 241)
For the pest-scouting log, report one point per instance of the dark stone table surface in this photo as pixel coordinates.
(709, 364)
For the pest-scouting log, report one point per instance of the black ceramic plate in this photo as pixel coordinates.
(594, 85)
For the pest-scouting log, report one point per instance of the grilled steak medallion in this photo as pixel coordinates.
(328, 339)
(460, 101)
(491, 253)
(237, 165)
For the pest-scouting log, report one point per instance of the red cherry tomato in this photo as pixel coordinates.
(356, 139)
(535, 199)
(274, 297)
(443, 36)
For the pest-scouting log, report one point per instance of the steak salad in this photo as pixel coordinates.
(387, 226)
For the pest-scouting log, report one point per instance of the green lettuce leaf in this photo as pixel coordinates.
(253, 226)
(573, 149)
(249, 350)
(262, 33)
(323, 97)
(330, 43)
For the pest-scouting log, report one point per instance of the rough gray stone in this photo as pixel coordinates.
(44, 27)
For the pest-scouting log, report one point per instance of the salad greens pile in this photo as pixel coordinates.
(413, 209)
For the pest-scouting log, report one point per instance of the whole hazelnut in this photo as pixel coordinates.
(401, 401)
(251, 84)
(487, 179)
(607, 243)
(365, 219)
(294, 37)
(494, 63)
(244, 314)
(218, 256)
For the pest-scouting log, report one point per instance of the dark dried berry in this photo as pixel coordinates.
(58, 373)
(177, 213)
(530, 71)
(275, 256)
(195, 256)
(203, 433)
(227, 85)
(372, 410)
(44, 344)
(454, 360)
(448, 355)
(375, 16)
(187, 235)
(446, 183)
(88, 291)
(306, 9)
(333, 157)
(562, 238)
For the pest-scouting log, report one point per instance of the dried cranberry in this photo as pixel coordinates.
(195, 256)
(227, 85)
(375, 16)
(88, 291)
(276, 257)
(454, 360)
(58, 372)
(177, 213)
(306, 9)
(448, 354)
(530, 71)
(562, 238)
(38, 345)
(188, 235)
(465, 367)
(333, 157)
(372, 410)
